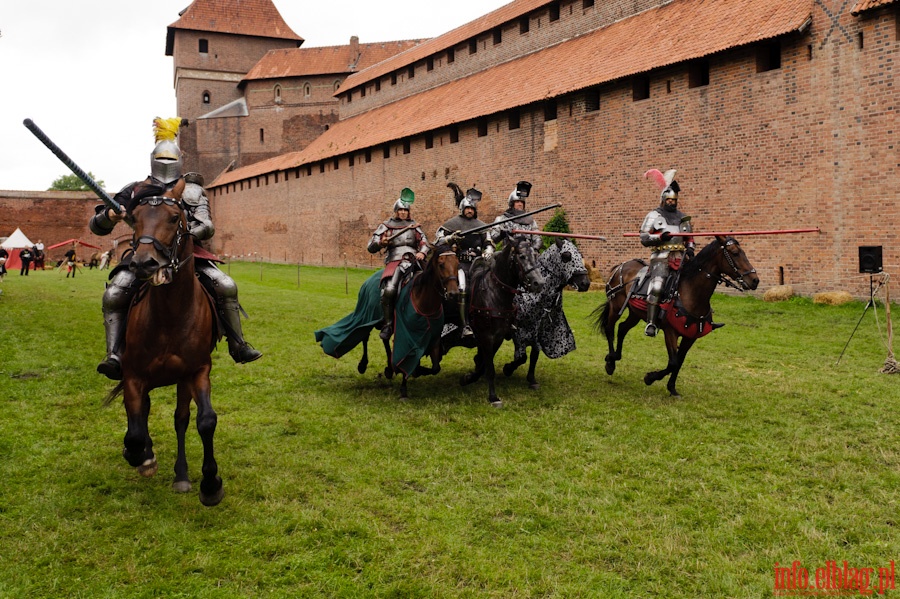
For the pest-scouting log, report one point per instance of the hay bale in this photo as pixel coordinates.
(832, 298)
(778, 293)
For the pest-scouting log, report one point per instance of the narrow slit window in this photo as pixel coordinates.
(204, 46)
(524, 24)
(451, 55)
(498, 36)
(482, 127)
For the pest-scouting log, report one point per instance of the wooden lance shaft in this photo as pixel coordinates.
(79, 172)
(734, 233)
(555, 234)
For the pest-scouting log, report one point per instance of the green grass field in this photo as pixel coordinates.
(592, 486)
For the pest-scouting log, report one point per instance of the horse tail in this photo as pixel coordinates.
(600, 317)
(116, 391)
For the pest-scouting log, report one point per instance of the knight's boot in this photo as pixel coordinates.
(652, 311)
(114, 323)
(387, 308)
(464, 318)
(241, 351)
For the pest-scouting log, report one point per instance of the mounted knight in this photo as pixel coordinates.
(516, 212)
(467, 247)
(405, 246)
(662, 230)
(166, 177)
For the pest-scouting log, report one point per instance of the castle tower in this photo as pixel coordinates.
(214, 44)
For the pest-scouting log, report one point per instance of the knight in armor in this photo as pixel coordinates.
(405, 246)
(165, 175)
(467, 247)
(657, 233)
(516, 206)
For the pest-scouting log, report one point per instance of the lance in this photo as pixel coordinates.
(403, 230)
(554, 234)
(79, 172)
(734, 233)
(505, 220)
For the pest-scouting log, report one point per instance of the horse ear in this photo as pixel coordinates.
(721, 239)
(566, 256)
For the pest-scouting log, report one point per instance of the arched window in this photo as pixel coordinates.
(307, 90)
(337, 84)
(206, 97)
(278, 94)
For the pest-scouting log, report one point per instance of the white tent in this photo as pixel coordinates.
(13, 244)
(17, 241)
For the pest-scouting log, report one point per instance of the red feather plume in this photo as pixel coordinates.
(657, 177)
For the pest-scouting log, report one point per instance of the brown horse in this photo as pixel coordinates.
(425, 295)
(689, 316)
(169, 337)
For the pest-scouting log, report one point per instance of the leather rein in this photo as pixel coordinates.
(170, 253)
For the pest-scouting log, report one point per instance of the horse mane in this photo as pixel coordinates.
(692, 268)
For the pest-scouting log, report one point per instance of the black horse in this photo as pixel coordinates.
(495, 283)
(688, 314)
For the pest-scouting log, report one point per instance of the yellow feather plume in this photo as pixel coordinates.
(166, 129)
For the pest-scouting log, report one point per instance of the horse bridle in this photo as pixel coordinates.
(170, 253)
(724, 278)
(447, 279)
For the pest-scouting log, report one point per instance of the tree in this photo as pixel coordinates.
(557, 224)
(71, 182)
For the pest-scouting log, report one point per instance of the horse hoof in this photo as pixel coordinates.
(209, 500)
(610, 367)
(648, 378)
(181, 486)
(464, 380)
(674, 393)
(362, 367)
(496, 402)
(534, 386)
(388, 373)
(148, 468)
(508, 369)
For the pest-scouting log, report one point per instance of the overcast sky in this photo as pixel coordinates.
(93, 73)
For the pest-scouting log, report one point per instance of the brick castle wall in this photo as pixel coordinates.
(807, 144)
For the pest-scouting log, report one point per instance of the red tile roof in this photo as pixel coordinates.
(868, 5)
(495, 18)
(601, 56)
(299, 62)
(241, 17)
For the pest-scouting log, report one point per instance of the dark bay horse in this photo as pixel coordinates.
(495, 283)
(689, 316)
(541, 324)
(169, 337)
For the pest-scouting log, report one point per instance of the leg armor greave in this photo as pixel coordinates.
(463, 313)
(389, 300)
(225, 292)
(116, 300)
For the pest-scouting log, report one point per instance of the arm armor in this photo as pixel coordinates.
(375, 243)
(196, 205)
(648, 238)
(423, 241)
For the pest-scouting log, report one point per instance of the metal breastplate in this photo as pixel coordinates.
(404, 243)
